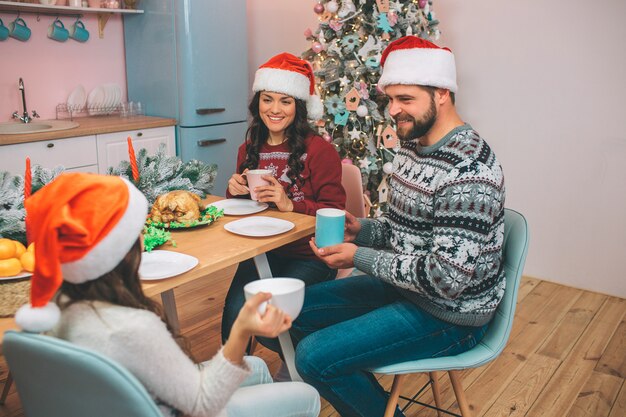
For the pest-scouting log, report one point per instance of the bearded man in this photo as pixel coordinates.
(433, 262)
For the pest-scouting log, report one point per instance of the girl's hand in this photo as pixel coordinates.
(250, 322)
(237, 185)
(268, 323)
(274, 193)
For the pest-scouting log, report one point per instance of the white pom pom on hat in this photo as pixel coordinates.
(411, 60)
(287, 74)
(82, 226)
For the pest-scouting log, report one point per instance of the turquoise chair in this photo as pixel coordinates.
(55, 378)
(492, 344)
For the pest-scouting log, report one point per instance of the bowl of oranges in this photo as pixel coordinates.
(16, 260)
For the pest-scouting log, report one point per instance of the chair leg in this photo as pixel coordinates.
(460, 394)
(7, 387)
(436, 390)
(392, 402)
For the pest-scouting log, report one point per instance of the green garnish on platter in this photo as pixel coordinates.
(154, 233)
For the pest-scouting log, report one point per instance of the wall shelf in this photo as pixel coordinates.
(41, 9)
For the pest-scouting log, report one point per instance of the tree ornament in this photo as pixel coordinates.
(390, 137)
(327, 137)
(422, 3)
(383, 5)
(355, 133)
(317, 47)
(388, 168)
(341, 119)
(352, 99)
(332, 6)
(383, 190)
(362, 110)
(308, 33)
(318, 8)
(347, 7)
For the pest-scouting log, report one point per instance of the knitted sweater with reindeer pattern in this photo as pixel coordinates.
(442, 236)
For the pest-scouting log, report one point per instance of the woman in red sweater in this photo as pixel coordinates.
(306, 170)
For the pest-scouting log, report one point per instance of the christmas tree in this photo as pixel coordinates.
(345, 53)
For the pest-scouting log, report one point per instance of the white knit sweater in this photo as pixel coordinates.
(139, 341)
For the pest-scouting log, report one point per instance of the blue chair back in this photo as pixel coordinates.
(515, 249)
(55, 378)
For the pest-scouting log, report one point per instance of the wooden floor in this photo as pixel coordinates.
(566, 355)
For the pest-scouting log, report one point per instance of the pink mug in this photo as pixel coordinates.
(255, 179)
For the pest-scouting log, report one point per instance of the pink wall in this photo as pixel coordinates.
(51, 70)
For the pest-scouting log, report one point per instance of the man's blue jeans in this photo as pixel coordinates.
(349, 325)
(310, 271)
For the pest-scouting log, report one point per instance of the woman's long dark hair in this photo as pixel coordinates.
(122, 287)
(296, 133)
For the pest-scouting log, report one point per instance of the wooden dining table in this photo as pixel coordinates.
(218, 252)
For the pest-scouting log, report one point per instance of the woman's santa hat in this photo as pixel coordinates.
(82, 226)
(288, 74)
(411, 60)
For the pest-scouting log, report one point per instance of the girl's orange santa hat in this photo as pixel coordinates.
(82, 226)
(288, 74)
(411, 60)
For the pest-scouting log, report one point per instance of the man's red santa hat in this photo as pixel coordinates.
(411, 60)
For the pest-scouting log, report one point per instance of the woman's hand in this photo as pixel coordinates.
(237, 185)
(250, 323)
(351, 228)
(274, 193)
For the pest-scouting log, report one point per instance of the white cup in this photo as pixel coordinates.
(255, 179)
(287, 294)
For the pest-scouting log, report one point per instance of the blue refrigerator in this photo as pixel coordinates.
(187, 59)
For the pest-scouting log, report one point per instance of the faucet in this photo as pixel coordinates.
(25, 118)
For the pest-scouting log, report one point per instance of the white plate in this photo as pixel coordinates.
(77, 98)
(95, 101)
(239, 207)
(259, 226)
(18, 276)
(160, 264)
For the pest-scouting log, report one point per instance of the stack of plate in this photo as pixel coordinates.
(104, 99)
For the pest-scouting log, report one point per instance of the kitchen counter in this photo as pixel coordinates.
(92, 126)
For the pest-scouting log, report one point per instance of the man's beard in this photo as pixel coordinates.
(421, 127)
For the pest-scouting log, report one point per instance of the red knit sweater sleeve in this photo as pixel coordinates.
(241, 157)
(324, 180)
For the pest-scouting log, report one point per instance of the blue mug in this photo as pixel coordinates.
(329, 227)
(78, 32)
(4, 31)
(57, 31)
(19, 30)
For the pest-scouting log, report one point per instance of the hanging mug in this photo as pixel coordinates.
(4, 31)
(78, 32)
(57, 31)
(19, 30)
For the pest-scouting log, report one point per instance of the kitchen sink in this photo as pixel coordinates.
(19, 128)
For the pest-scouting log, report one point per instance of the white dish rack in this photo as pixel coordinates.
(65, 111)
